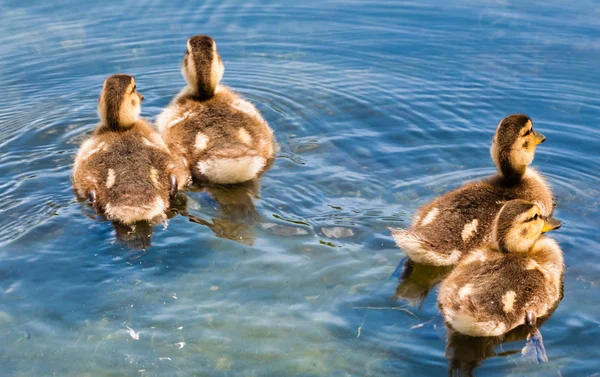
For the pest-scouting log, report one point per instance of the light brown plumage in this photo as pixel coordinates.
(445, 229)
(125, 168)
(221, 137)
(492, 290)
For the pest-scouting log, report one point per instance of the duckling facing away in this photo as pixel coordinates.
(509, 282)
(125, 168)
(221, 137)
(461, 220)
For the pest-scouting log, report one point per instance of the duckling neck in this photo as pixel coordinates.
(511, 173)
(112, 126)
(201, 92)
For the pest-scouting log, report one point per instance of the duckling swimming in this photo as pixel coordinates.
(509, 282)
(221, 137)
(461, 220)
(125, 168)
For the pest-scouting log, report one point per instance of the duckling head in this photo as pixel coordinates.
(519, 225)
(119, 105)
(513, 146)
(202, 66)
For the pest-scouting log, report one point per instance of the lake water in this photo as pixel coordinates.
(378, 107)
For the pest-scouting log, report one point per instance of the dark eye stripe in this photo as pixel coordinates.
(535, 217)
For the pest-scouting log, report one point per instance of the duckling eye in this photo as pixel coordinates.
(528, 132)
(535, 217)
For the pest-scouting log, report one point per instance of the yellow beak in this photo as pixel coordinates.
(539, 138)
(550, 224)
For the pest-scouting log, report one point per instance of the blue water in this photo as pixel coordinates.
(378, 107)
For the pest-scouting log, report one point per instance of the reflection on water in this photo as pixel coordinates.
(236, 216)
(378, 107)
(136, 236)
(466, 353)
(417, 280)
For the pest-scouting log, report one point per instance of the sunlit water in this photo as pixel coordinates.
(378, 107)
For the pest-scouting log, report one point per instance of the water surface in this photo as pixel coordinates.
(378, 107)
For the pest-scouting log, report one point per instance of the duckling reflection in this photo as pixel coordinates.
(417, 280)
(236, 213)
(136, 236)
(465, 353)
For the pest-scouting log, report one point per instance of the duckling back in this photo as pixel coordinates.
(129, 174)
(223, 140)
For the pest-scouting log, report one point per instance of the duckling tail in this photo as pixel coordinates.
(129, 214)
(422, 251)
(231, 169)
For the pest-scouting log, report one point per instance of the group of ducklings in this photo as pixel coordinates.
(208, 134)
(505, 272)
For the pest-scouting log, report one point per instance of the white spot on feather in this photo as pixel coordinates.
(154, 176)
(244, 136)
(431, 215)
(201, 141)
(465, 291)
(508, 301)
(88, 148)
(179, 119)
(469, 230)
(245, 107)
(110, 179)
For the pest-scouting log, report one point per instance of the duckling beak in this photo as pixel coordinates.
(539, 138)
(550, 224)
(141, 96)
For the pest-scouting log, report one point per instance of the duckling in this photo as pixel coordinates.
(461, 220)
(221, 137)
(510, 282)
(125, 168)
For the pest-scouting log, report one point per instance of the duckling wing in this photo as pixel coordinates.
(452, 224)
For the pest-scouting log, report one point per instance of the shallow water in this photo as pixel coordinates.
(378, 107)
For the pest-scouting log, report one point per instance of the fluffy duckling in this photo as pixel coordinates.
(509, 282)
(461, 220)
(221, 137)
(125, 168)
